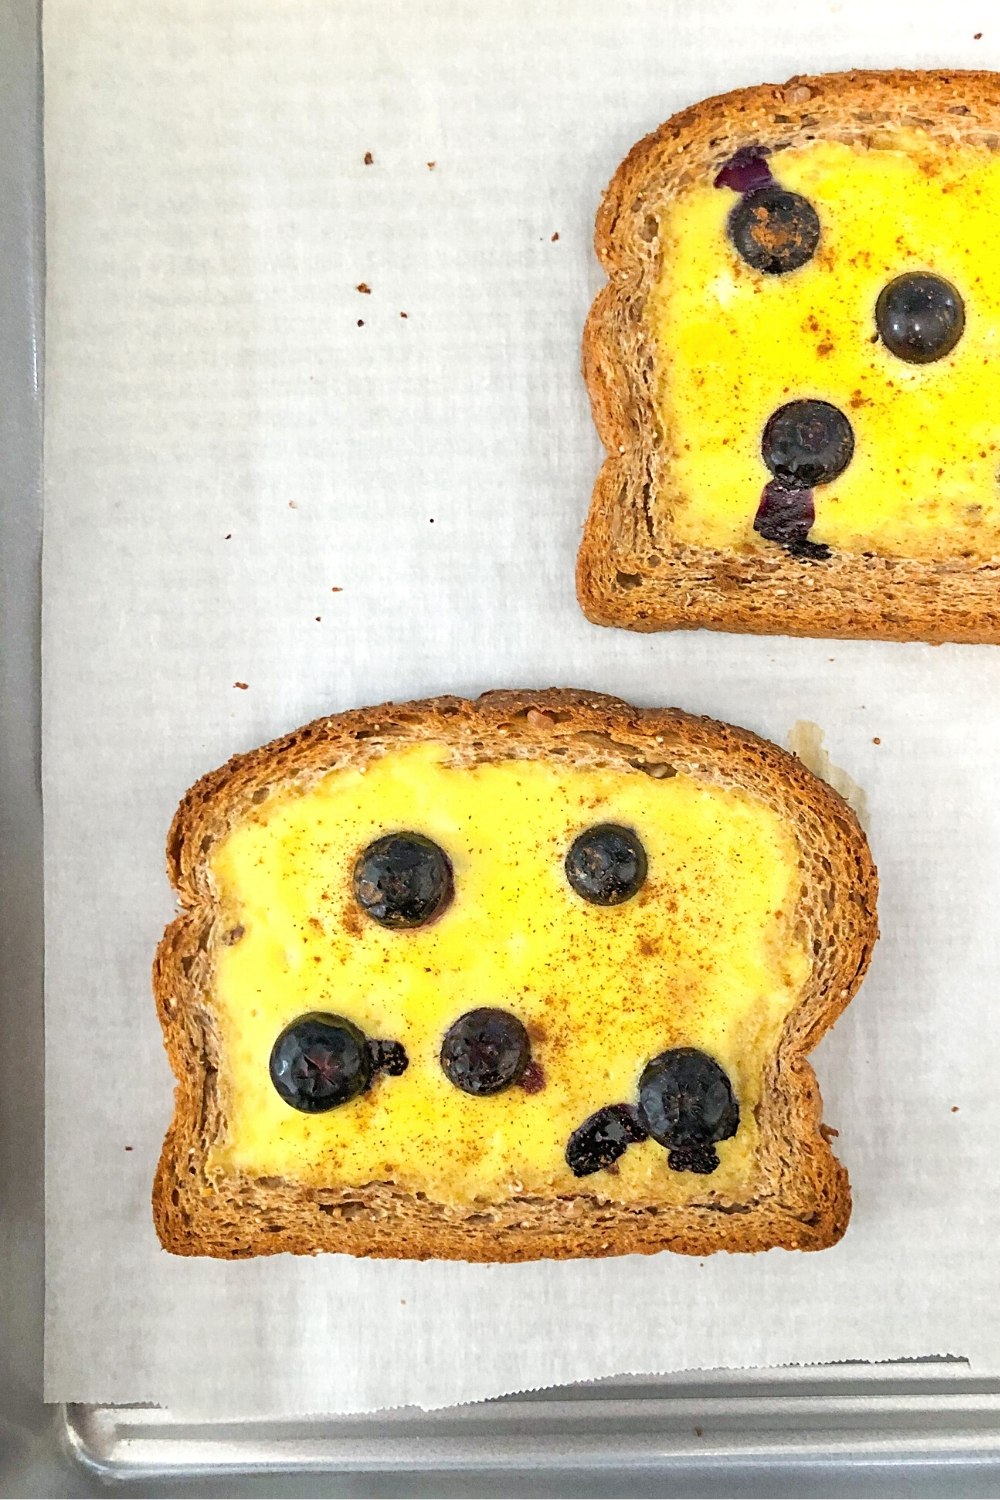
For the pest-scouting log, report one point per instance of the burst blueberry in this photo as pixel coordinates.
(606, 864)
(773, 230)
(686, 1103)
(319, 1062)
(485, 1051)
(807, 442)
(403, 880)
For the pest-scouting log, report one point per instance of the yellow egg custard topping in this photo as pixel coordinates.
(704, 954)
(892, 319)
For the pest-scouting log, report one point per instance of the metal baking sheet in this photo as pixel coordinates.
(922, 1428)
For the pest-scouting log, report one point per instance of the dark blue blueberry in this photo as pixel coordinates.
(603, 1138)
(686, 1103)
(485, 1051)
(606, 865)
(403, 880)
(920, 317)
(773, 230)
(320, 1061)
(806, 443)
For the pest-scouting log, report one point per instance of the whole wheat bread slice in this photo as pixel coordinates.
(805, 1200)
(630, 571)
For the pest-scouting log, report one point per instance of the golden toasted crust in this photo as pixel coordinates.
(630, 571)
(807, 1201)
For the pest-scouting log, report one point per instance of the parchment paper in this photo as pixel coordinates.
(236, 429)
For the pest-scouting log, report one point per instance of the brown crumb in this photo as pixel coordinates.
(431, 165)
(368, 158)
(319, 619)
(977, 36)
(699, 1432)
(404, 315)
(228, 536)
(555, 236)
(876, 740)
(243, 685)
(293, 505)
(954, 1109)
(336, 589)
(363, 286)
(128, 1148)
(361, 322)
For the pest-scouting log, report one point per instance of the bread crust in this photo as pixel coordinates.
(630, 571)
(805, 1203)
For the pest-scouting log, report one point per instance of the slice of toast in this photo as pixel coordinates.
(664, 988)
(830, 241)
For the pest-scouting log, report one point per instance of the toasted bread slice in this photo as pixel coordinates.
(735, 937)
(748, 242)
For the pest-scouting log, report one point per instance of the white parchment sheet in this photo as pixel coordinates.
(270, 494)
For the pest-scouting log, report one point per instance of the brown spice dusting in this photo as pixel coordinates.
(363, 286)
(368, 158)
(243, 685)
(824, 349)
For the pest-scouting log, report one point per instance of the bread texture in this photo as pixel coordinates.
(806, 1200)
(631, 571)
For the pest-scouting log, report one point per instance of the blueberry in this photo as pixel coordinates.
(686, 1103)
(807, 443)
(320, 1061)
(920, 317)
(603, 1138)
(403, 880)
(485, 1051)
(774, 230)
(606, 864)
